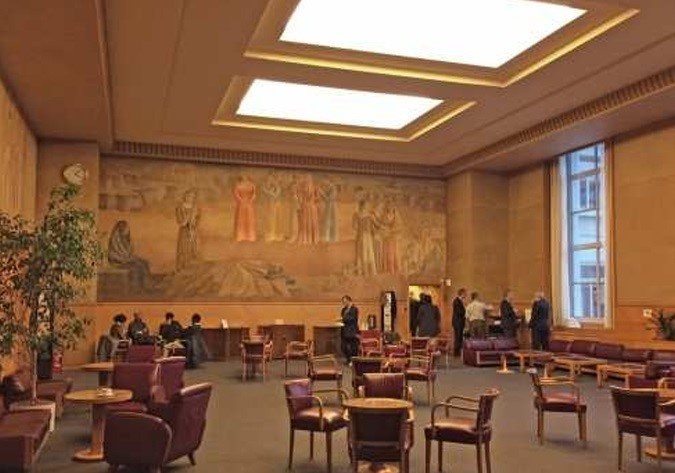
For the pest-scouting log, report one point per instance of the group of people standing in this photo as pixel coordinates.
(475, 312)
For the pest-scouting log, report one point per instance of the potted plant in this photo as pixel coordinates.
(662, 324)
(43, 268)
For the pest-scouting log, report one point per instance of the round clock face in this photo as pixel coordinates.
(75, 174)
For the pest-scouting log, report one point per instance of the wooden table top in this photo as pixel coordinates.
(91, 396)
(578, 360)
(377, 403)
(619, 367)
(106, 366)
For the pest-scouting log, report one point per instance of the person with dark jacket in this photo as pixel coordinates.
(540, 322)
(413, 308)
(170, 330)
(459, 320)
(509, 319)
(195, 346)
(349, 317)
(137, 330)
(428, 317)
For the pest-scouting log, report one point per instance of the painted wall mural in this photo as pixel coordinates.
(206, 232)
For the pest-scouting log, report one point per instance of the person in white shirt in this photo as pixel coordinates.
(475, 313)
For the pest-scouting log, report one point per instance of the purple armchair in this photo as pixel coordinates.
(141, 354)
(140, 378)
(177, 433)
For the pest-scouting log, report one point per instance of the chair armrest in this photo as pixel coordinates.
(341, 393)
(448, 406)
(570, 384)
(125, 431)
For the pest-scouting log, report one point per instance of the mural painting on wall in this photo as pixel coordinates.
(184, 231)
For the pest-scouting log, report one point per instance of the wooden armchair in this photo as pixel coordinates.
(255, 353)
(299, 351)
(308, 412)
(443, 346)
(419, 346)
(475, 430)
(362, 365)
(565, 400)
(422, 369)
(370, 347)
(324, 368)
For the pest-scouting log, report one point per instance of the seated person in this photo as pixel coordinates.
(170, 330)
(194, 341)
(107, 345)
(138, 330)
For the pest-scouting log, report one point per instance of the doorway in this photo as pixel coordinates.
(414, 291)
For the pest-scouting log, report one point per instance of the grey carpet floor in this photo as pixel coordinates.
(247, 429)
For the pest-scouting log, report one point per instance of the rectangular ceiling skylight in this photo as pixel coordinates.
(485, 33)
(311, 103)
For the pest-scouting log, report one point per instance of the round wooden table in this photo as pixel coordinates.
(90, 396)
(103, 368)
(377, 404)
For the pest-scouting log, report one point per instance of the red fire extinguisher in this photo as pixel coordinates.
(57, 362)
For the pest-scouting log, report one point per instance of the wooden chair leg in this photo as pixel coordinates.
(243, 371)
(286, 367)
(440, 456)
(329, 451)
(638, 447)
(479, 457)
(620, 457)
(488, 461)
(311, 445)
(659, 452)
(582, 429)
(427, 456)
(290, 449)
(429, 392)
(540, 426)
(191, 457)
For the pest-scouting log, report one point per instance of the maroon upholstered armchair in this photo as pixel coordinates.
(379, 436)
(389, 385)
(474, 430)
(362, 365)
(300, 351)
(18, 387)
(370, 347)
(324, 368)
(307, 412)
(565, 400)
(422, 368)
(177, 433)
(141, 379)
(255, 353)
(638, 412)
(141, 354)
(419, 346)
(170, 380)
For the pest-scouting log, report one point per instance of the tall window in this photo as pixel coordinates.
(586, 249)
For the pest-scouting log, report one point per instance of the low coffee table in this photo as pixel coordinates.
(576, 363)
(531, 356)
(623, 370)
(90, 396)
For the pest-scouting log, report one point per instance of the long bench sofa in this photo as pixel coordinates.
(487, 352)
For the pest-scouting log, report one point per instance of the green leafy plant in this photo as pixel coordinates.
(662, 324)
(43, 269)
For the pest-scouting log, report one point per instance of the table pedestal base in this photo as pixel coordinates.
(87, 456)
(505, 367)
(667, 454)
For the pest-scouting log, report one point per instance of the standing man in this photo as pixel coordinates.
(459, 320)
(509, 318)
(540, 322)
(413, 308)
(475, 312)
(350, 328)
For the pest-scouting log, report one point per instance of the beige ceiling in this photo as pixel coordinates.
(155, 71)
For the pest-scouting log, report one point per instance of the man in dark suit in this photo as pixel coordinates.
(509, 319)
(459, 320)
(413, 308)
(350, 328)
(540, 322)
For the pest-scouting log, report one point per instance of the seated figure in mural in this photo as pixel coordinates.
(121, 254)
